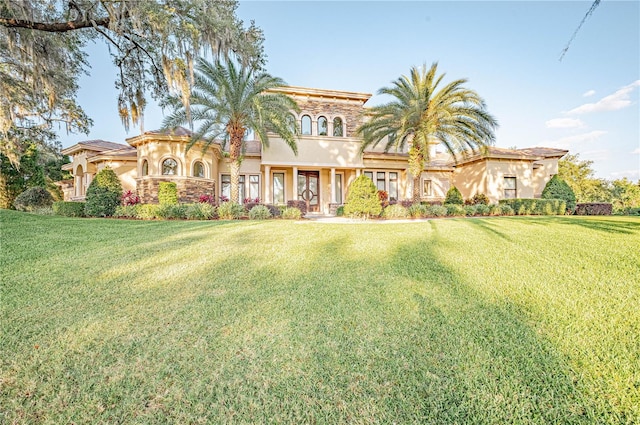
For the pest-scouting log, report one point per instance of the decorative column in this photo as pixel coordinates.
(294, 186)
(358, 172)
(333, 186)
(267, 184)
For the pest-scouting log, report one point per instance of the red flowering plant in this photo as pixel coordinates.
(223, 199)
(383, 196)
(207, 199)
(130, 198)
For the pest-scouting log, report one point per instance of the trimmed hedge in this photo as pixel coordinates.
(104, 194)
(69, 209)
(362, 199)
(395, 211)
(167, 193)
(527, 206)
(594, 208)
(557, 188)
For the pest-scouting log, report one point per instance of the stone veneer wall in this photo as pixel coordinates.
(331, 108)
(189, 189)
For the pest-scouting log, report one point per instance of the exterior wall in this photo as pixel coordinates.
(189, 188)
(440, 184)
(126, 171)
(547, 168)
(156, 151)
(471, 179)
(315, 151)
(497, 170)
(350, 111)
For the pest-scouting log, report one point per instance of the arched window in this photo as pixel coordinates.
(198, 169)
(169, 167)
(322, 126)
(338, 131)
(306, 124)
(145, 168)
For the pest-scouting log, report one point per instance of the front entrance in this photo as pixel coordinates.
(308, 189)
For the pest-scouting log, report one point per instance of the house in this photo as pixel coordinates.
(328, 160)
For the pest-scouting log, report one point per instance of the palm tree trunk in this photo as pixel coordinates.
(416, 189)
(235, 158)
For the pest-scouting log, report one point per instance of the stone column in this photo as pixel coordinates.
(358, 172)
(266, 182)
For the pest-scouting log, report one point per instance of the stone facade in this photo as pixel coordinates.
(350, 111)
(189, 189)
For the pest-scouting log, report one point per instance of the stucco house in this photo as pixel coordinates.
(328, 160)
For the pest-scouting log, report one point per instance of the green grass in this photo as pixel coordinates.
(496, 320)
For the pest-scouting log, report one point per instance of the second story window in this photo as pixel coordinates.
(337, 127)
(145, 168)
(306, 125)
(198, 169)
(322, 126)
(169, 167)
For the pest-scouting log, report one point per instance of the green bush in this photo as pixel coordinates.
(230, 211)
(506, 210)
(455, 210)
(103, 194)
(478, 199)
(437, 211)
(557, 188)
(69, 209)
(259, 212)
(470, 210)
(167, 193)
(340, 211)
(594, 208)
(147, 211)
(172, 211)
(33, 198)
(417, 211)
(453, 197)
(200, 211)
(43, 211)
(291, 213)
(362, 199)
(482, 209)
(395, 211)
(126, 211)
(526, 206)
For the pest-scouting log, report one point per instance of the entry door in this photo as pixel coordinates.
(308, 188)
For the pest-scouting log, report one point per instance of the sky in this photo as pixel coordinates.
(509, 52)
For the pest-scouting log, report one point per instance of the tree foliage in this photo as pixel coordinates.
(152, 43)
(421, 114)
(362, 198)
(580, 176)
(556, 188)
(227, 100)
(103, 194)
(453, 197)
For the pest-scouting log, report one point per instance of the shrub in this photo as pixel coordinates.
(259, 212)
(301, 205)
(273, 209)
(506, 210)
(230, 211)
(362, 198)
(470, 210)
(437, 211)
(526, 206)
(69, 209)
(455, 210)
(417, 211)
(594, 209)
(43, 211)
(33, 198)
(478, 199)
(482, 209)
(207, 199)
(103, 194)
(395, 211)
(383, 196)
(557, 188)
(340, 211)
(172, 211)
(167, 193)
(130, 198)
(453, 197)
(291, 213)
(147, 211)
(126, 211)
(200, 211)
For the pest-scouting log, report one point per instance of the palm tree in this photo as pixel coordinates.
(227, 100)
(421, 115)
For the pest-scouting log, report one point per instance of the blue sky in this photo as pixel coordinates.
(507, 50)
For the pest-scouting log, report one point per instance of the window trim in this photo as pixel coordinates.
(427, 193)
(144, 172)
(204, 169)
(326, 123)
(302, 132)
(165, 159)
(505, 189)
(342, 126)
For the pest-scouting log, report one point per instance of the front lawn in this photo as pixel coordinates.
(494, 320)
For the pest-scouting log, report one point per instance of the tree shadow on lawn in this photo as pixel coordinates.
(612, 224)
(338, 334)
(489, 226)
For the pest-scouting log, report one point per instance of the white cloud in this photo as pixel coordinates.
(577, 139)
(613, 102)
(636, 152)
(564, 123)
(630, 174)
(589, 93)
